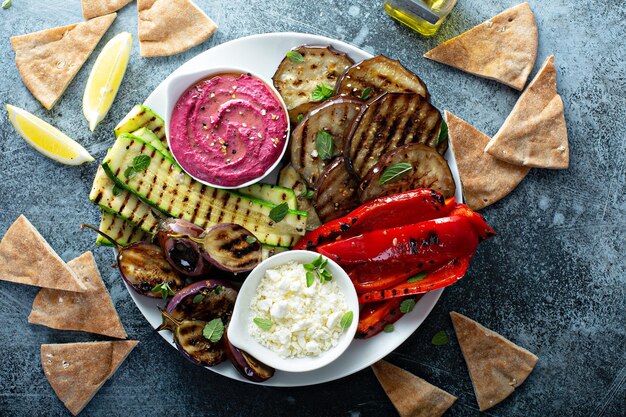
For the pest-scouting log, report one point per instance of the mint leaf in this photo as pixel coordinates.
(250, 239)
(198, 298)
(164, 288)
(141, 162)
(295, 56)
(325, 144)
(214, 330)
(443, 133)
(300, 117)
(388, 328)
(264, 324)
(322, 92)
(440, 338)
(366, 93)
(407, 305)
(117, 190)
(417, 277)
(346, 320)
(279, 212)
(394, 172)
(310, 278)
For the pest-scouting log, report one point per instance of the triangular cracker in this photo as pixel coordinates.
(26, 258)
(49, 60)
(503, 48)
(496, 365)
(76, 371)
(167, 27)
(95, 8)
(535, 134)
(485, 179)
(90, 311)
(411, 395)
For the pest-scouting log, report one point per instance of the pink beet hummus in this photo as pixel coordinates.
(228, 130)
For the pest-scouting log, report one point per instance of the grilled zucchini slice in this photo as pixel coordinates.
(271, 193)
(289, 178)
(380, 74)
(296, 81)
(141, 116)
(166, 187)
(390, 121)
(120, 230)
(429, 170)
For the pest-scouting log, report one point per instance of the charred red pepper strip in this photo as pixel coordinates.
(382, 275)
(433, 241)
(479, 224)
(383, 213)
(374, 317)
(441, 277)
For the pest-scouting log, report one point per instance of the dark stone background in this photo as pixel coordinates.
(552, 281)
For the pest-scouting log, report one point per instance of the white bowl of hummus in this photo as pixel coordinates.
(226, 127)
(290, 317)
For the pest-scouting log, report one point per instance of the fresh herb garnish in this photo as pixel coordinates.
(198, 298)
(366, 93)
(6, 4)
(295, 56)
(250, 239)
(394, 172)
(164, 288)
(300, 117)
(325, 145)
(417, 277)
(279, 212)
(309, 194)
(264, 324)
(322, 92)
(117, 190)
(443, 132)
(407, 305)
(440, 338)
(316, 269)
(214, 330)
(218, 290)
(140, 163)
(388, 328)
(346, 320)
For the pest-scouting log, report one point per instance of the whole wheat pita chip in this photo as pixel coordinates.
(496, 365)
(26, 258)
(167, 27)
(76, 371)
(503, 48)
(90, 311)
(535, 134)
(411, 395)
(95, 8)
(485, 179)
(49, 60)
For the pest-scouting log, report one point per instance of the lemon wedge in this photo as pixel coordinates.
(46, 138)
(105, 78)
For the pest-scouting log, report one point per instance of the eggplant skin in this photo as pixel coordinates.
(388, 122)
(380, 74)
(226, 248)
(430, 170)
(336, 193)
(335, 117)
(296, 81)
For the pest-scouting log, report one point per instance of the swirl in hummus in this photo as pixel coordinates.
(228, 129)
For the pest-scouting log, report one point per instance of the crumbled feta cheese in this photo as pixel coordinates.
(305, 320)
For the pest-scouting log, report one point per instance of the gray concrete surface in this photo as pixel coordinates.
(553, 280)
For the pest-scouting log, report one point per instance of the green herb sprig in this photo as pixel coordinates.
(317, 269)
(214, 330)
(117, 190)
(322, 92)
(140, 163)
(407, 305)
(346, 320)
(164, 288)
(440, 338)
(325, 145)
(366, 93)
(388, 328)
(264, 324)
(417, 277)
(279, 212)
(295, 56)
(443, 133)
(395, 172)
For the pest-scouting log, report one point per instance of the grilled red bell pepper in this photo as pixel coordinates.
(432, 241)
(380, 275)
(382, 213)
(441, 277)
(479, 224)
(374, 317)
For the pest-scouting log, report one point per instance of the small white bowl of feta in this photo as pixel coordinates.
(297, 311)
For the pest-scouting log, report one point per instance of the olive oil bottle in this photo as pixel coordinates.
(423, 16)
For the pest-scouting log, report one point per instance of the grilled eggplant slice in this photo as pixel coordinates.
(380, 74)
(430, 170)
(290, 178)
(334, 117)
(336, 193)
(231, 247)
(390, 121)
(296, 81)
